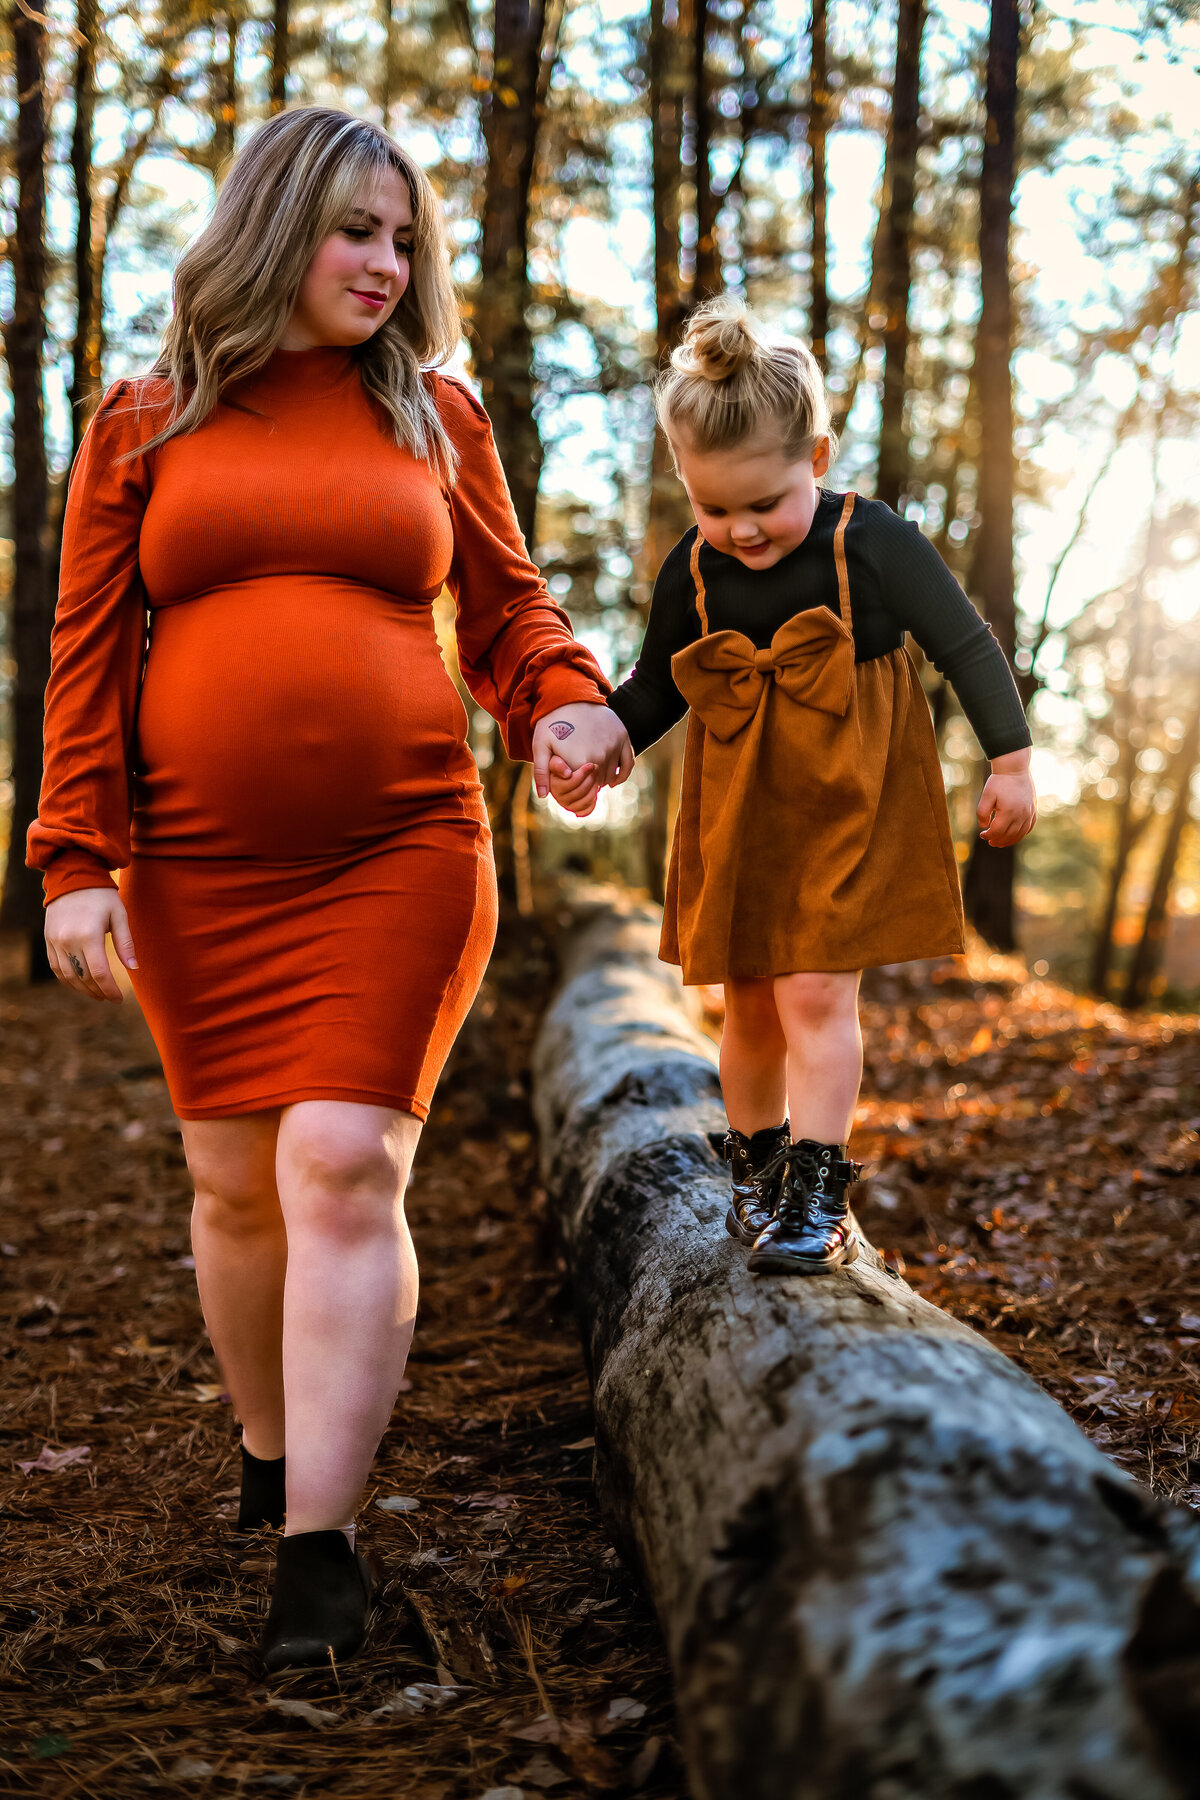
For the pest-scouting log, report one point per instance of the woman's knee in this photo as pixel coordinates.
(814, 1001)
(232, 1166)
(340, 1176)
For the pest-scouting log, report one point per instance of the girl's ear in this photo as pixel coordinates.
(820, 459)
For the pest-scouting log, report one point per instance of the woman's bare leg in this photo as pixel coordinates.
(753, 1057)
(819, 1017)
(240, 1247)
(351, 1296)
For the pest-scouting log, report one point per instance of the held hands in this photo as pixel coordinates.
(1007, 809)
(76, 926)
(577, 750)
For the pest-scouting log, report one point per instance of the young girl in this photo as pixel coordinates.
(812, 839)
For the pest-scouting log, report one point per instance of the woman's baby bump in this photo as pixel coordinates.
(290, 717)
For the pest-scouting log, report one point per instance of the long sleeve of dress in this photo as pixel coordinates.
(647, 702)
(516, 650)
(82, 827)
(922, 596)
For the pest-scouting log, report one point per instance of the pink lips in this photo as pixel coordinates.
(378, 301)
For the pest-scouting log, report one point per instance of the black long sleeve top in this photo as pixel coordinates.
(898, 583)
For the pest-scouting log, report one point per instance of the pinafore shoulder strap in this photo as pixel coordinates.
(698, 579)
(839, 557)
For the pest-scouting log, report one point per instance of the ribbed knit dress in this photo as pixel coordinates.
(249, 716)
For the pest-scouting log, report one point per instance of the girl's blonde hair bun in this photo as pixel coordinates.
(732, 379)
(721, 338)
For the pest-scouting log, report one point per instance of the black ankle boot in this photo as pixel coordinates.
(811, 1231)
(262, 1499)
(756, 1169)
(319, 1603)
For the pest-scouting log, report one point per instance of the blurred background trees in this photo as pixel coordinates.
(984, 217)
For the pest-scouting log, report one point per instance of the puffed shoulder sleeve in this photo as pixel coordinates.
(516, 650)
(82, 827)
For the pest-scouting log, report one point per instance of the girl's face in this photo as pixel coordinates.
(356, 278)
(751, 501)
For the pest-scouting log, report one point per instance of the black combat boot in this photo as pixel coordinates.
(811, 1230)
(319, 1604)
(757, 1165)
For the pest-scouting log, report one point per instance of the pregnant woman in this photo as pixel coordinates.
(249, 717)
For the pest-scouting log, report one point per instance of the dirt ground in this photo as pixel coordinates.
(1036, 1173)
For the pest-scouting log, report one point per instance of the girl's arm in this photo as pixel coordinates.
(647, 701)
(923, 596)
(82, 827)
(517, 652)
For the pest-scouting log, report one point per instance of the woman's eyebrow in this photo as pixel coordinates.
(359, 212)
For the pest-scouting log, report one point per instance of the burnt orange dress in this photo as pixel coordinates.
(249, 716)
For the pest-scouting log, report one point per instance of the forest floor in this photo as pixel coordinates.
(1037, 1162)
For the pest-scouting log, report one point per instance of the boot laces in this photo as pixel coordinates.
(796, 1199)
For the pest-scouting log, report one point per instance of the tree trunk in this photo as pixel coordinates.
(280, 57)
(1148, 955)
(85, 360)
(988, 890)
(668, 515)
(906, 105)
(225, 92)
(504, 342)
(709, 278)
(32, 603)
(818, 132)
(885, 1563)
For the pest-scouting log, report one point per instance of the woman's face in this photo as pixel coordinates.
(752, 502)
(356, 278)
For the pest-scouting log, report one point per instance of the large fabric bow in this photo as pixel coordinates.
(725, 680)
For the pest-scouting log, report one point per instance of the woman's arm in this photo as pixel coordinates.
(518, 655)
(82, 827)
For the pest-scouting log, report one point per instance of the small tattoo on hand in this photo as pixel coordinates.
(560, 730)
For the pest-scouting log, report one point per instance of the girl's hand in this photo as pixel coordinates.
(582, 732)
(76, 926)
(1007, 809)
(575, 789)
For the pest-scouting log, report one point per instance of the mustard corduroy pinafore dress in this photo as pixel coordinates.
(812, 831)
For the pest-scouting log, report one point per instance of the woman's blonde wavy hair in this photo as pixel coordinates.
(291, 186)
(731, 379)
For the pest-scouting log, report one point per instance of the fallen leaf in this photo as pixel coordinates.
(644, 1761)
(95, 1662)
(540, 1772)
(398, 1503)
(492, 1502)
(545, 1729)
(504, 1793)
(56, 1459)
(53, 1743)
(208, 1391)
(190, 1768)
(300, 1709)
(581, 1444)
(624, 1710)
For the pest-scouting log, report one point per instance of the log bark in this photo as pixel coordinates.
(887, 1566)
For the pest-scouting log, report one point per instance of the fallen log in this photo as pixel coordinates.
(886, 1564)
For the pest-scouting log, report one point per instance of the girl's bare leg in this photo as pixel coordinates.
(819, 1019)
(351, 1296)
(240, 1247)
(754, 1054)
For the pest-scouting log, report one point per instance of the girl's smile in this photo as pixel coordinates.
(751, 501)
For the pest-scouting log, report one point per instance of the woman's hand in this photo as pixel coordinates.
(76, 927)
(582, 732)
(1007, 809)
